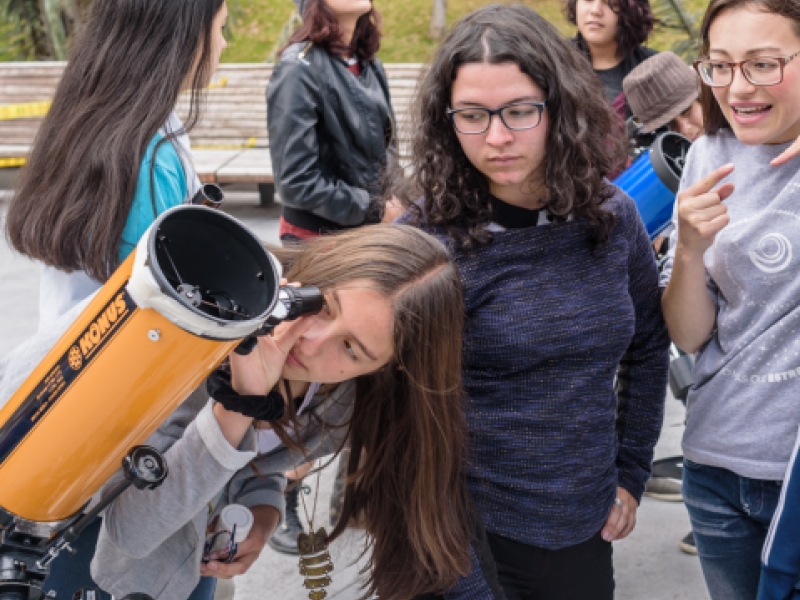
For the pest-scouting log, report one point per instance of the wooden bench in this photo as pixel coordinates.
(231, 143)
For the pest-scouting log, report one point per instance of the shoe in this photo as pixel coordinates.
(284, 539)
(664, 488)
(687, 544)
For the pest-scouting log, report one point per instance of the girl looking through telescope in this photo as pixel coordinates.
(378, 369)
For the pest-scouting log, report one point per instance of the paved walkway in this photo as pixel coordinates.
(648, 564)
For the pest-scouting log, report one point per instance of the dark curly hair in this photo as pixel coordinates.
(321, 27)
(584, 140)
(636, 21)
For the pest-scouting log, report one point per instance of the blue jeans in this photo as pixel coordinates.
(69, 573)
(730, 517)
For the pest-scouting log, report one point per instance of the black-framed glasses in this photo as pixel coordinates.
(517, 117)
(762, 71)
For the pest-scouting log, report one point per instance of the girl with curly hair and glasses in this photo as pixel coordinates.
(610, 34)
(565, 348)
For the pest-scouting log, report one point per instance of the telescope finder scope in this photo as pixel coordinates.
(209, 195)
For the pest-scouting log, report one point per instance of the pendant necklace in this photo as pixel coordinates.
(315, 559)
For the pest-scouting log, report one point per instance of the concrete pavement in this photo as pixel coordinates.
(648, 564)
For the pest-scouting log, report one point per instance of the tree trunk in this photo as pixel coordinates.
(54, 27)
(439, 19)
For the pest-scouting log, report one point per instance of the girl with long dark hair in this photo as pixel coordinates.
(379, 369)
(731, 297)
(109, 157)
(111, 154)
(611, 34)
(331, 124)
(513, 139)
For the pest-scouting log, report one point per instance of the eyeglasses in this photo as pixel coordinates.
(517, 117)
(761, 71)
(226, 547)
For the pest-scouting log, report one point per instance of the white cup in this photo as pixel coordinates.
(233, 515)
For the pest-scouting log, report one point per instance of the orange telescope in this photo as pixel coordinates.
(197, 284)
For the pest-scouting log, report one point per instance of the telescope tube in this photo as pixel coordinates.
(131, 357)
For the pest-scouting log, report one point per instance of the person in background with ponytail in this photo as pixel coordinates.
(110, 156)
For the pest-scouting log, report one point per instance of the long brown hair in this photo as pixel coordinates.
(713, 118)
(584, 141)
(405, 477)
(123, 78)
(321, 26)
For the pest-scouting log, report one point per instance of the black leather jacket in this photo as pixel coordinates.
(329, 134)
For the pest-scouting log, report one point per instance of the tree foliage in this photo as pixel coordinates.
(22, 31)
(673, 14)
(39, 29)
(43, 29)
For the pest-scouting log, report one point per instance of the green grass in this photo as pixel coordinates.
(257, 24)
(405, 26)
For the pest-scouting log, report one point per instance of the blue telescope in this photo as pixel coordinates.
(653, 178)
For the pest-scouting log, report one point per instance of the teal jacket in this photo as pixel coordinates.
(168, 190)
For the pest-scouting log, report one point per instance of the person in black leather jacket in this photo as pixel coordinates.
(330, 118)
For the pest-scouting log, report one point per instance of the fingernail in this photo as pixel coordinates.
(607, 536)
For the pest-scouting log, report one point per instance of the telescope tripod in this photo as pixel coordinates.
(27, 547)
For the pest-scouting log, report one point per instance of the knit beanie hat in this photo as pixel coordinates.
(659, 89)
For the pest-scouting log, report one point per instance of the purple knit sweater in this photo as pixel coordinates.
(548, 327)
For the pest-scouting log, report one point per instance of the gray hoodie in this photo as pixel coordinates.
(152, 540)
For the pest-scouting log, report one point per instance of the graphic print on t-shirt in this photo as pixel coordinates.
(774, 253)
(756, 269)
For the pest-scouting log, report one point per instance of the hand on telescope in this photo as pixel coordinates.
(258, 372)
(265, 520)
(702, 213)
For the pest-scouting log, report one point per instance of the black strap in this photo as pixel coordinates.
(263, 408)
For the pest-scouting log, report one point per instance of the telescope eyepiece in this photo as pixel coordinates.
(300, 301)
(293, 302)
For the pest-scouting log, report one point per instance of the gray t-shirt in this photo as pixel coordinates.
(743, 411)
